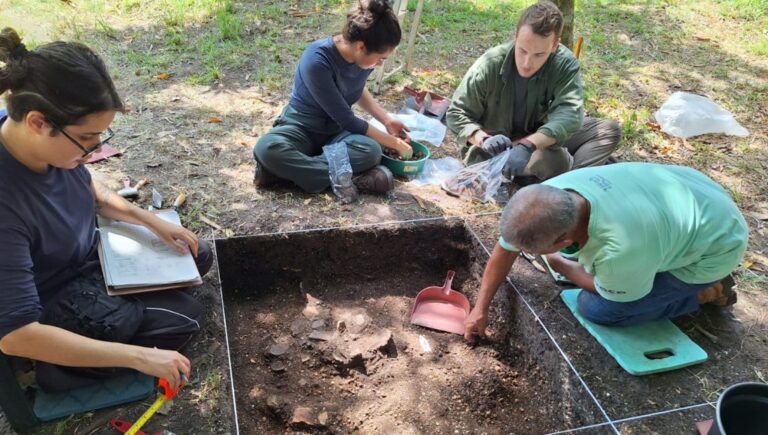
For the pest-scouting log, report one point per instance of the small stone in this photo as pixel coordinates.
(322, 418)
(256, 393)
(303, 416)
(273, 403)
(317, 324)
(279, 349)
(304, 358)
(299, 325)
(278, 366)
(303, 382)
(341, 326)
(322, 335)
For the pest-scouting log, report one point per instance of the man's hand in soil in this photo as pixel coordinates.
(518, 159)
(475, 324)
(495, 145)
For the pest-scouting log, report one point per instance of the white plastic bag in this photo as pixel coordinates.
(686, 115)
(423, 128)
(480, 181)
(437, 170)
(339, 168)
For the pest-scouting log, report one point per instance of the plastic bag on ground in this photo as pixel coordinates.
(339, 168)
(686, 115)
(423, 128)
(437, 170)
(479, 182)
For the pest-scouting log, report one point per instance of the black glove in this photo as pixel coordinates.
(495, 145)
(518, 159)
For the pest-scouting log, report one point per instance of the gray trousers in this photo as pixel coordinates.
(590, 146)
(293, 149)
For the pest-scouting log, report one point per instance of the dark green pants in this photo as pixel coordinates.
(293, 149)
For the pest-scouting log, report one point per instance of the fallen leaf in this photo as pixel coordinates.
(214, 120)
(307, 201)
(701, 38)
(653, 125)
(163, 76)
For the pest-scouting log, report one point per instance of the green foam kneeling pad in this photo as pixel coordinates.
(652, 347)
(110, 392)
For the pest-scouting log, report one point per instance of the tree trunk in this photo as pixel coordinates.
(566, 7)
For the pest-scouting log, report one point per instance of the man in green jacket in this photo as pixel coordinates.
(527, 95)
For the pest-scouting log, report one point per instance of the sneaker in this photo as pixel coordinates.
(262, 177)
(719, 294)
(376, 180)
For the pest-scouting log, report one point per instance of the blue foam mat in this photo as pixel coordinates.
(629, 345)
(111, 392)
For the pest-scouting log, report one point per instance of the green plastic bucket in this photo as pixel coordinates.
(408, 168)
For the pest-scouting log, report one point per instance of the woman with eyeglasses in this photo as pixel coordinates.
(60, 101)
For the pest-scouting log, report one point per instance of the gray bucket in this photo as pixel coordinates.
(742, 409)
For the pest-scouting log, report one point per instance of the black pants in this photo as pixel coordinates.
(164, 319)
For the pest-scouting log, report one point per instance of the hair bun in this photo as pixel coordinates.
(11, 46)
(378, 7)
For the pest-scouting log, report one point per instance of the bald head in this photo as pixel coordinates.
(537, 216)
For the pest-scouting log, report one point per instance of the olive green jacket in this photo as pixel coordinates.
(485, 99)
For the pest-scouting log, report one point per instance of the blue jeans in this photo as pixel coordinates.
(669, 298)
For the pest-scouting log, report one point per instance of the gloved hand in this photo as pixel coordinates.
(518, 159)
(495, 145)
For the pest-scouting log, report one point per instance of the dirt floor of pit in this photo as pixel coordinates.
(349, 362)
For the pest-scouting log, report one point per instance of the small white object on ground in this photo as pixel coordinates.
(424, 344)
(686, 115)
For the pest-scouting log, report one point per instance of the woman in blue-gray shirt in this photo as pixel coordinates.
(331, 76)
(54, 308)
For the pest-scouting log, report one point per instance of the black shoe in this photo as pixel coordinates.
(525, 180)
(346, 194)
(376, 180)
(262, 177)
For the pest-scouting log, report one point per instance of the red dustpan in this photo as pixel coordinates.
(441, 308)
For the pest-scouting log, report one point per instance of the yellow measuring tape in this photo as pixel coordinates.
(166, 393)
(146, 416)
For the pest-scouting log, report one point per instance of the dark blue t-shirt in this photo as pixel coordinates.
(326, 85)
(47, 227)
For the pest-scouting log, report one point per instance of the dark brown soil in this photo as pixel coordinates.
(392, 154)
(333, 350)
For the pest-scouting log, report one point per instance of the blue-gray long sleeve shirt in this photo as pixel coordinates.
(327, 86)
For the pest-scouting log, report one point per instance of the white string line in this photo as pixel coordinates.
(551, 337)
(226, 340)
(655, 414)
(635, 418)
(375, 224)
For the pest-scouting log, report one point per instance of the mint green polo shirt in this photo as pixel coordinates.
(648, 218)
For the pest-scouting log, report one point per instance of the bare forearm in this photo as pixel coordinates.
(113, 206)
(59, 346)
(575, 272)
(369, 104)
(496, 271)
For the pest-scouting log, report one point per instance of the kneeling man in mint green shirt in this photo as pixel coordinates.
(644, 241)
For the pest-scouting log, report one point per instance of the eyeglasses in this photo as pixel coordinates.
(103, 138)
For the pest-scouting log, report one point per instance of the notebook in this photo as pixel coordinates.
(135, 260)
